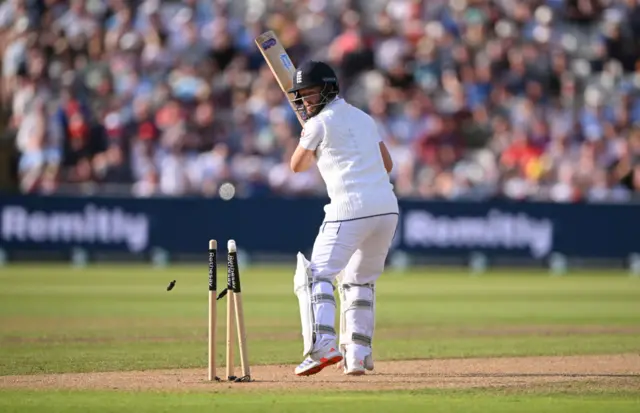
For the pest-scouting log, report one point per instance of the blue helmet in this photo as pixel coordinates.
(312, 74)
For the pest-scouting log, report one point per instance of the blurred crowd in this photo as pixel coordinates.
(525, 99)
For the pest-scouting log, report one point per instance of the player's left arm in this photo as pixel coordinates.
(303, 156)
(386, 157)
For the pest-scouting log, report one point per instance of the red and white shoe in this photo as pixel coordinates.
(354, 366)
(367, 364)
(318, 360)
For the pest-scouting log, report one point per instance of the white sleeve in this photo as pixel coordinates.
(312, 134)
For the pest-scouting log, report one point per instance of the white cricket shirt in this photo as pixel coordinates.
(346, 141)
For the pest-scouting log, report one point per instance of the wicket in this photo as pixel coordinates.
(235, 314)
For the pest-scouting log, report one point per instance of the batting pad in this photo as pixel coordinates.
(357, 318)
(317, 305)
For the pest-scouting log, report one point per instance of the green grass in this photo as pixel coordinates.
(429, 401)
(56, 319)
(59, 319)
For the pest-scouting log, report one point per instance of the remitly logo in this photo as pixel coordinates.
(496, 229)
(93, 225)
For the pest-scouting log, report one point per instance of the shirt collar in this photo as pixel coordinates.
(337, 100)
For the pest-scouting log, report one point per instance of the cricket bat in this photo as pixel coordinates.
(280, 64)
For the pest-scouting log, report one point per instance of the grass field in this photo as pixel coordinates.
(508, 341)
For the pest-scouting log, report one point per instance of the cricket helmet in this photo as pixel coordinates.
(312, 74)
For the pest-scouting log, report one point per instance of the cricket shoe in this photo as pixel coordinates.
(368, 364)
(353, 366)
(318, 360)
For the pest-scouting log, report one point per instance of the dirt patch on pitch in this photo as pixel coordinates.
(601, 371)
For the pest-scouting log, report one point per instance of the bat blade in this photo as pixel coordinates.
(280, 64)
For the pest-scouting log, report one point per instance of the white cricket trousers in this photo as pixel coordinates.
(360, 248)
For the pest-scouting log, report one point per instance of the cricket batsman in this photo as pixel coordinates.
(359, 225)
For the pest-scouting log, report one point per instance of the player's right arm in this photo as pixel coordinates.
(386, 157)
(312, 134)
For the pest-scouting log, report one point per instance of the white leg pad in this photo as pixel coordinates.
(302, 288)
(357, 318)
(317, 305)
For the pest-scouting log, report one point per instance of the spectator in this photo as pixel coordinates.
(519, 99)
